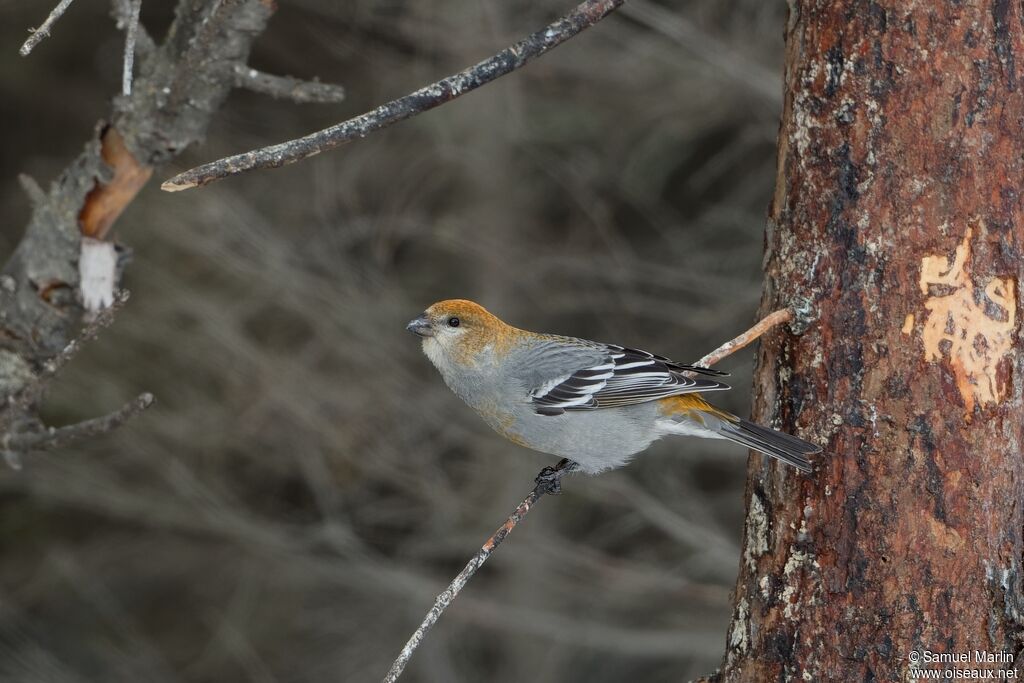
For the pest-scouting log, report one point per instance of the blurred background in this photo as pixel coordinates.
(306, 484)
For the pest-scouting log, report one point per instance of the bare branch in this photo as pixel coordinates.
(55, 437)
(287, 87)
(20, 411)
(89, 332)
(131, 34)
(583, 16)
(730, 347)
(34, 391)
(548, 481)
(44, 30)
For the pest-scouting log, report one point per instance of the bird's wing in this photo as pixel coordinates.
(616, 376)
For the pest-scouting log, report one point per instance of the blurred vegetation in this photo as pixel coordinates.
(306, 484)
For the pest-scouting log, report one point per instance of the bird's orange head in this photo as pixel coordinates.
(460, 329)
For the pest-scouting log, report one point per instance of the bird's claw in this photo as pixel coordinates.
(549, 480)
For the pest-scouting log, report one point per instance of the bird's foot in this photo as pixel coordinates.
(550, 478)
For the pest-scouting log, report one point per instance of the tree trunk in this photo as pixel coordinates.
(895, 232)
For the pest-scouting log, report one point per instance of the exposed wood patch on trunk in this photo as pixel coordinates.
(970, 323)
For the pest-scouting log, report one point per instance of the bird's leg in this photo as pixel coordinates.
(550, 478)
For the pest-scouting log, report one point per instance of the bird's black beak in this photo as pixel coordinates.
(421, 326)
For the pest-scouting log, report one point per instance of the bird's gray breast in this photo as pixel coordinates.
(499, 390)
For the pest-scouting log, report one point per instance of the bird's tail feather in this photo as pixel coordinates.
(787, 448)
(690, 414)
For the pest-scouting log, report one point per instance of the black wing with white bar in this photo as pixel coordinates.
(623, 377)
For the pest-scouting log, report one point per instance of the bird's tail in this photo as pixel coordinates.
(788, 449)
(691, 414)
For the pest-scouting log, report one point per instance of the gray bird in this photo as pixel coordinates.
(595, 404)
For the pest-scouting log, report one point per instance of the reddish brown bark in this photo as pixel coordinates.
(896, 229)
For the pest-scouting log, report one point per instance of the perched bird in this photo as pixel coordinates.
(592, 403)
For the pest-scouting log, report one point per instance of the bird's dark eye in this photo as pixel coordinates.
(453, 322)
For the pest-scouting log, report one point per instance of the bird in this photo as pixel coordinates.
(596, 405)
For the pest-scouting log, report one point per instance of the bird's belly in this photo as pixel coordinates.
(598, 440)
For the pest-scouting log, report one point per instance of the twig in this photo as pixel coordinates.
(44, 30)
(730, 347)
(55, 437)
(122, 11)
(34, 391)
(585, 14)
(287, 87)
(547, 482)
(89, 332)
(131, 34)
(19, 411)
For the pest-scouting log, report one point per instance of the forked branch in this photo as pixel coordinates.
(548, 481)
(56, 437)
(33, 392)
(25, 433)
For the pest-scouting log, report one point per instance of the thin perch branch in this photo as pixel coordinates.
(585, 15)
(549, 481)
(730, 347)
(44, 30)
(287, 87)
(131, 34)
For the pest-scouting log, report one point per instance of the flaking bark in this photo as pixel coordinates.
(896, 228)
